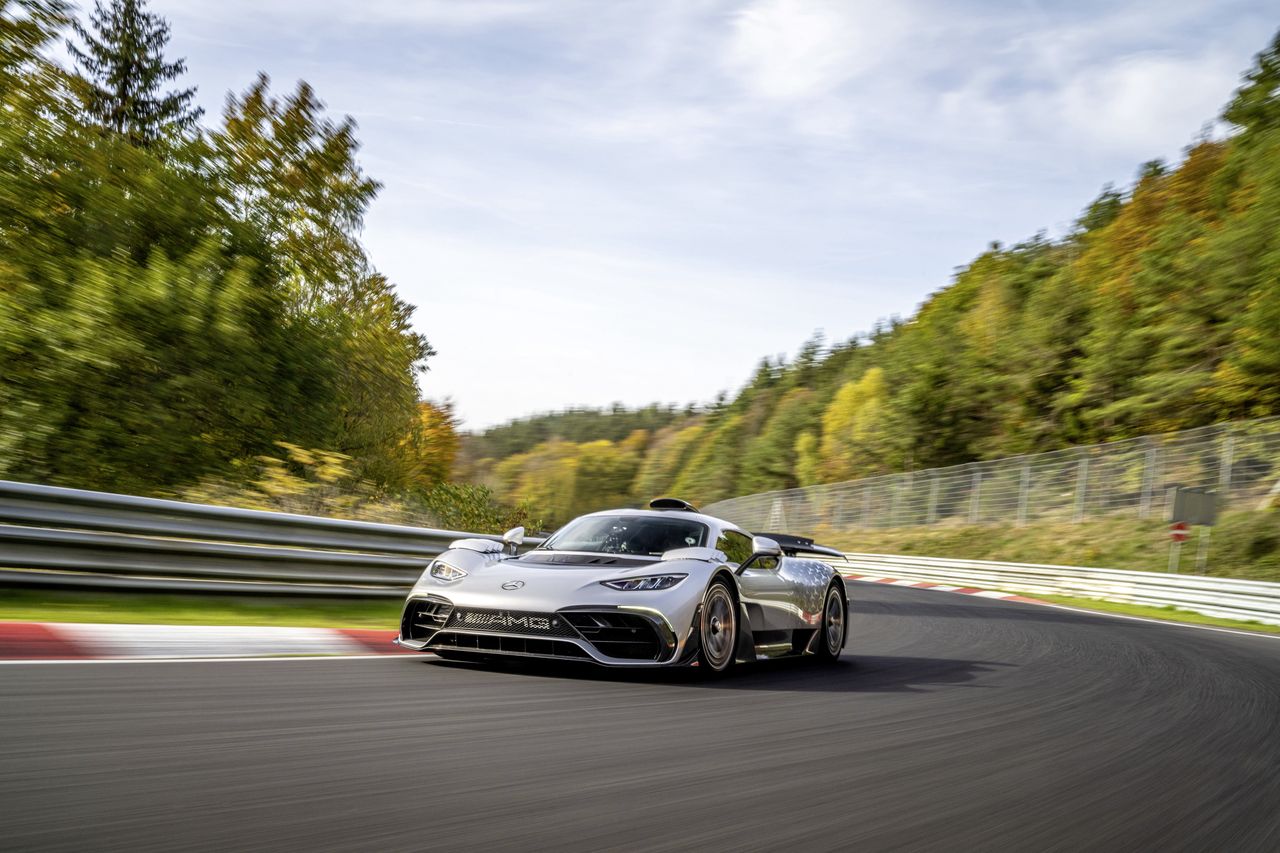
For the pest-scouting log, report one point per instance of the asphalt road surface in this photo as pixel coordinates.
(955, 723)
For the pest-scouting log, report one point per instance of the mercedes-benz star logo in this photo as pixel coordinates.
(513, 585)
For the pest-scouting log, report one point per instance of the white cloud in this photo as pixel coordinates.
(798, 49)
(1144, 103)
(1135, 105)
(433, 13)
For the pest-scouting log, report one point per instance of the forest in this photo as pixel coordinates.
(187, 310)
(1158, 311)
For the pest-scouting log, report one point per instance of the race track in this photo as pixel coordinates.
(956, 723)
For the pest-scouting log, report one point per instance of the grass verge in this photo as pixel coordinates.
(65, 606)
(1166, 614)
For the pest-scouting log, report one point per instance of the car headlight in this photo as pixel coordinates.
(445, 572)
(651, 582)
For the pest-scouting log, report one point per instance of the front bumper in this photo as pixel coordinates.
(609, 635)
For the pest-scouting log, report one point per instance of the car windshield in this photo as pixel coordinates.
(628, 534)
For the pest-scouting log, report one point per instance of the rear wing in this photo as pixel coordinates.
(795, 545)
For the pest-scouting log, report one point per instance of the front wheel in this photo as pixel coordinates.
(719, 633)
(831, 642)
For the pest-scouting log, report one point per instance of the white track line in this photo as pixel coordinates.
(292, 659)
(1004, 595)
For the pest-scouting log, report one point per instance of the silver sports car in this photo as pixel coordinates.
(666, 586)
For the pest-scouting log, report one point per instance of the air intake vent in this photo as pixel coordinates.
(618, 635)
(502, 645)
(423, 617)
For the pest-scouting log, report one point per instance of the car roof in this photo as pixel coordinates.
(709, 520)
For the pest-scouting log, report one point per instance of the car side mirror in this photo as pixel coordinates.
(513, 538)
(763, 546)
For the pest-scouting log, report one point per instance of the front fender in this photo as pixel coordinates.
(745, 650)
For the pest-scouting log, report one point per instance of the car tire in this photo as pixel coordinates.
(718, 630)
(831, 635)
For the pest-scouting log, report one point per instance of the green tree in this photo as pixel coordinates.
(545, 477)
(808, 459)
(711, 473)
(853, 428)
(124, 72)
(769, 461)
(662, 464)
(293, 174)
(1256, 105)
(154, 328)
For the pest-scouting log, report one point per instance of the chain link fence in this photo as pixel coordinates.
(1240, 461)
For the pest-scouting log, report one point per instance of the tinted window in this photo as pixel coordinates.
(628, 534)
(736, 546)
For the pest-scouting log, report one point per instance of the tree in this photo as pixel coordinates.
(853, 428)
(808, 462)
(663, 462)
(1101, 211)
(431, 447)
(1256, 105)
(143, 378)
(124, 71)
(545, 477)
(292, 174)
(153, 331)
(1249, 380)
(711, 473)
(769, 461)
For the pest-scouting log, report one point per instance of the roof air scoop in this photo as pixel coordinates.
(672, 503)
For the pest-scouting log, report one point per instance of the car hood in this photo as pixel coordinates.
(580, 560)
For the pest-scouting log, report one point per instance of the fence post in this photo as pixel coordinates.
(1224, 476)
(1082, 484)
(866, 507)
(1023, 489)
(777, 517)
(933, 501)
(975, 496)
(905, 501)
(1202, 551)
(1148, 479)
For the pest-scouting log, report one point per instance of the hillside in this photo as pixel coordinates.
(1159, 311)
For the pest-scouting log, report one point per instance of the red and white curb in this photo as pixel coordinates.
(83, 641)
(941, 587)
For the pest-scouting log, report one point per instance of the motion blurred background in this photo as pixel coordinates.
(189, 307)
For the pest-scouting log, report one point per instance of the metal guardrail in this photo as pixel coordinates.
(57, 537)
(1224, 598)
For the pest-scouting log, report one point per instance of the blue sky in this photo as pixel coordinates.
(636, 200)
